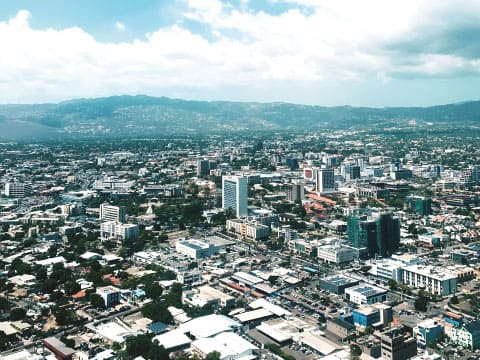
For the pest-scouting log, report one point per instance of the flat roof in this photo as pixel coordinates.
(434, 272)
(320, 344)
(209, 325)
(253, 315)
(275, 309)
(337, 280)
(56, 345)
(112, 331)
(366, 290)
(243, 276)
(172, 339)
(273, 333)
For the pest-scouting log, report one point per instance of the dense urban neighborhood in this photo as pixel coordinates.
(331, 244)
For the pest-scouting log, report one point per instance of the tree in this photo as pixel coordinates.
(63, 316)
(355, 350)
(454, 300)
(71, 287)
(68, 342)
(4, 304)
(214, 355)
(421, 303)
(365, 268)
(6, 340)
(157, 312)
(142, 345)
(137, 345)
(49, 285)
(153, 290)
(41, 273)
(97, 301)
(392, 284)
(174, 297)
(19, 267)
(17, 314)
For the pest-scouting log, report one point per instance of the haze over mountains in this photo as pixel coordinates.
(137, 116)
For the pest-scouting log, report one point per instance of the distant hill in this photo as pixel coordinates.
(127, 116)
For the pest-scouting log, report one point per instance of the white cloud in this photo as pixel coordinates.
(337, 41)
(120, 26)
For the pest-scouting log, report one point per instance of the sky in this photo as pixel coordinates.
(323, 52)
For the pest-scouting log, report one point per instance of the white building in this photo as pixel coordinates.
(113, 184)
(230, 346)
(250, 230)
(235, 194)
(118, 231)
(112, 213)
(435, 280)
(365, 294)
(110, 295)
(197, 249)
(336, 254)
(17, 189)
(325, 180)
(295, 192)
(206, 294)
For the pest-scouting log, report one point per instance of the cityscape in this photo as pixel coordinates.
(300, 181)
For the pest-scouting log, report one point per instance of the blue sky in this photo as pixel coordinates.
(326, 52)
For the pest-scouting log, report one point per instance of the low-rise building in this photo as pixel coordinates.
(468, 335)
(428, 332)
(110, 295)
(372, 315)
(336, 254)
(397, 346)
(118, 231)
(248, 229)
(340, 328)
(435, 280)
(197, 249)
(337, 284)
(204, 295)
(365, 294)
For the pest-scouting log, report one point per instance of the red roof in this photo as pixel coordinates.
(321, 199)
(80, 294)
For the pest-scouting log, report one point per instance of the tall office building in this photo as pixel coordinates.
(17, 189)
(351, 172)
(469, 175)
(295, 192)
(376, 236)
(235, 194)
(203, 167)
(325, 179)
(423, 206)
(112, 213)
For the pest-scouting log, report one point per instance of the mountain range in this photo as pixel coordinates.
(137, 116)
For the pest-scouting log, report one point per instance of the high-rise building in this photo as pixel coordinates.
(469, 175)
(351, 172)
(325, 179)
(112, 213)
(376, 236)
(295, 192)
(203, 167)
(17, 189)
(212, 164)
(235, 194)
(423, 206)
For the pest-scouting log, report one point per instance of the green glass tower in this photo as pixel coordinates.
(378, 236)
